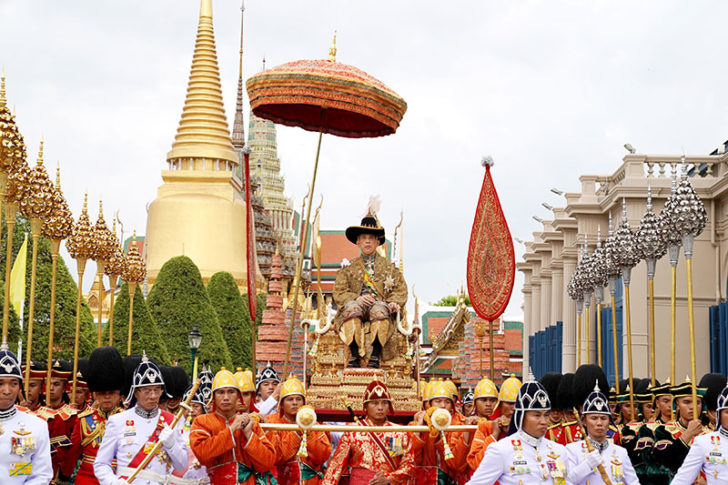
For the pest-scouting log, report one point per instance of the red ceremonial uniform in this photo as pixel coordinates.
(230, 458)
(85, 441)
(60, 429)
(430, 453)
(361, 453)
(291, 469)
(481, 441)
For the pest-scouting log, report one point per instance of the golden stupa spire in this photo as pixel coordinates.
(3, 100)
(40, 151)
(58, 176)
(332, 50)
(203, 130)
(238, 136)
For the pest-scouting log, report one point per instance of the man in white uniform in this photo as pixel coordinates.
(131, 435)
(525, 456)
(583, 463)
(25, 448)
(709, 452)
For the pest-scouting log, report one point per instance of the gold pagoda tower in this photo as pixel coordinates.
(198, 211)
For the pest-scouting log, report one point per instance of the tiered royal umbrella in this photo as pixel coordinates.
(323, 96)
(114, 269)
(612, 271)
(651, 247)
(491, 265)
(689, 217)
(627, 259)
(134, 273)
(56, 228)
(38, 207)
(102, 250)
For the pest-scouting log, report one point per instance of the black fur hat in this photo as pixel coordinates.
(565, 394)
(178, 382)
(105, 370)
(585, 378)
(550, 381)
(715, 383)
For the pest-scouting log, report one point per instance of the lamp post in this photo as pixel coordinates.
(194, 338)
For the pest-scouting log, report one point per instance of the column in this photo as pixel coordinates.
(527, 324)
(557, 290)
(546, 300)
(568, 363)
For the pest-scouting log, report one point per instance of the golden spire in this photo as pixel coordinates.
(332, 50)
(238, 137)
(203, 130)
(3, 100)
(58, 175)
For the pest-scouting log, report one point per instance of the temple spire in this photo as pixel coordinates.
(203, 133)
(239, 123)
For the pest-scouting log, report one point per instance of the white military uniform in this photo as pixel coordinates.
(195, 474)
(615, 460)
(25, 449)
(708, 453)
(522, 459)
(127, 433)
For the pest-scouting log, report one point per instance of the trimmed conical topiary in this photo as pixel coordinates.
(145, 333)
(232, 313)
(178, 301)
(66, 292)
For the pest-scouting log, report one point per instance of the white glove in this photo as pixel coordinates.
(166, 437)
(593, 459)
(120, 481)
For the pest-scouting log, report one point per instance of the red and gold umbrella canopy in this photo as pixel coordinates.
(326, 96)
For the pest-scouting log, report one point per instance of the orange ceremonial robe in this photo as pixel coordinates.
(288, 464)
(366, 458)
(430, 452)
(225, 452)
(481, 441)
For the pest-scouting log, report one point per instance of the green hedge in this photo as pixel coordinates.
(232, 313)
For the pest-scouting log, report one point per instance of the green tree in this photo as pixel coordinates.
(178, 301)
(145, 333)
(232, 313)
(66, 293)
(451, 300)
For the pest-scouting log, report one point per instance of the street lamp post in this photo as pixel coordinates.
(194, 338)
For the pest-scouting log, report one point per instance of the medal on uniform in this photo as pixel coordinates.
(22, 431)
(617, 469)
(21, 446)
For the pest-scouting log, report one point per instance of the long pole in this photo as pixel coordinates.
(366, 429)
(132, 292)
(673, 251)
(55, 249)
(490, 348)
(35, 226)
(626, 273)
(80, 267)
(587, 302)
(100, 270)
(112, 288)
(578, 334)
(11, 212)
(299, 265)
(599, 334)
(615, 348)
(688, 248)
(651, 284)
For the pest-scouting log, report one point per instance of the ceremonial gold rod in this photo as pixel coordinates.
(158, 444)
(614, 343)
(365, 429)
(651, 283)
(673, 325)
(578, 337)
(590, 447)
(599, 334)
(691, 328)
(587, 303)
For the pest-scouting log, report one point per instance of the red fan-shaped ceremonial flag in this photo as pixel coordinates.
(491, 260)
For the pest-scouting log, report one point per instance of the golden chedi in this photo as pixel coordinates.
(197, 212)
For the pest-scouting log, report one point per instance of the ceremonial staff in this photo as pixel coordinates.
(586, 286)
(153, 452)
(12, 159)
(572, 288)
(134, 273)
(599, 280)
(114, 268)
(37, 206)
(56, 228)
(79, 247)
(651, 247)
(628, 258)
(611, 269)
(102, 250)
(590, 448)
(689, 217)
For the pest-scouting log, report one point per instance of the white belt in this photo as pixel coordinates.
(144, 475)
(188, 481)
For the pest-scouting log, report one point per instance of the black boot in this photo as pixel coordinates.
(374, 359)
(354, 358)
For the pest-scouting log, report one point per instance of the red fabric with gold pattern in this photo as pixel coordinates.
(491, 260)
(327, 96)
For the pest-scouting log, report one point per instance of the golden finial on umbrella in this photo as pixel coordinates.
(134, 273)
(80, 247)
(37, 206)
(102, 250)
(12, 145)
(113, 269)
(56, 228)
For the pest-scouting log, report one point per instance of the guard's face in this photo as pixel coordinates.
(81, 395)
(266, 389)
(197, 409)
(485, 406)
(507, 409)
(148, 397)
(247, 400)
(467, 409)
(647, 411)
(226, 399)
(684, 407)
(107, 400)
(291, 404)
(597, 425)
(442, 402)
(663, 405)
(9, 389)
(724, 418)
(536, 423)
(626, 409)
(377, 410)
(556, 415)
(34, 389)
(58, 387)
(367, 243)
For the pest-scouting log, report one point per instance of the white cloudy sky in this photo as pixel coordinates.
(551, 89)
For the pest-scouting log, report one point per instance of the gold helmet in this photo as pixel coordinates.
(245, 380)
(486, 388)
(292, 386)
(509, 389)
(440, 388)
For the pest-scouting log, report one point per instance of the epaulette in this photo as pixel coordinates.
(25, 410)
(86, 412)
(674, 430)
(568, 423)
(66, 412)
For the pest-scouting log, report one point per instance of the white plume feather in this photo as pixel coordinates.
(374, 204)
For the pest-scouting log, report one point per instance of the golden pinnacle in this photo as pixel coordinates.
(3, 100)
(332, 50)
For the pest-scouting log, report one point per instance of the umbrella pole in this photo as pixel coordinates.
(615, 348)
(299, 265)
(578, 334)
